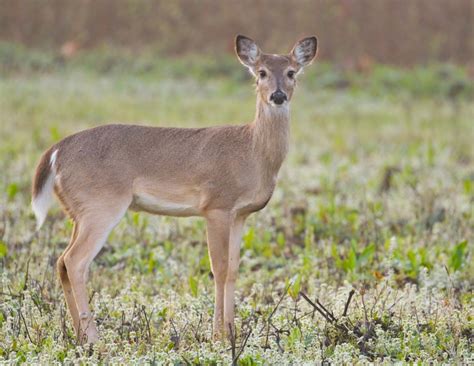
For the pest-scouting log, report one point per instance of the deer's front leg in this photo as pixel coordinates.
(218, 230)
(232, 272)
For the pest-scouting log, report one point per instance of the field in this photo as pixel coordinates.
(364, 254)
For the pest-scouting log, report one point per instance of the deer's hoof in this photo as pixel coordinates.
(88, 333)
(88, 338)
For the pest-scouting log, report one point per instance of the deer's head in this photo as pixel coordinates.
(275, 74)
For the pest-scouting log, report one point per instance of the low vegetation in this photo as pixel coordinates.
(363, 255)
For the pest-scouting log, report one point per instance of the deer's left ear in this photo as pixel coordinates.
(304, 51)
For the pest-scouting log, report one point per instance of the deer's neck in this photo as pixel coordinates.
(271, 133)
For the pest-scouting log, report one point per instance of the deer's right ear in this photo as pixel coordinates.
(247, 51)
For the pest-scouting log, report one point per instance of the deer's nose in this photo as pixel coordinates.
(278, 97)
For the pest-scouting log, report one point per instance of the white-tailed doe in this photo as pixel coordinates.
(221, 173)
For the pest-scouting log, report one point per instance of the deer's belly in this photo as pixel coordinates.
(163, 206)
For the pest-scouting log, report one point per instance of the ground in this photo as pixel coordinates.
(364, 253)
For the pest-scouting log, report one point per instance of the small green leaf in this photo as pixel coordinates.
(69, 225)
(457, 255)
(136, 219)
(204, 264)
(468, 186)
(152, 262)
(168, 246)
(249, 239)
(366, 255)
(55, 135)
(336, 257)
(430, 154)
(280, 239)
(411, 255)
(193, 284)
(294, 287)
(351, 261)
(163, 313)
(3, 249)
(12, 190)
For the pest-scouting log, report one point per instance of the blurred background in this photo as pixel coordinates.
(422, 47)
(353, 33)
(168, 62)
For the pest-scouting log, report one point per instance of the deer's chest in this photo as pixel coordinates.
(258, 197)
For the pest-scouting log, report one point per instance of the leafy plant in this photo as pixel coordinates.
(354, 258)
(193, 285)
(458, 255)
(3, 249)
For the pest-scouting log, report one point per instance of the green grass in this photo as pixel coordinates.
(375, 196)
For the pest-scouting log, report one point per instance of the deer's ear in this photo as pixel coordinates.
(247, 51)
(305, 50)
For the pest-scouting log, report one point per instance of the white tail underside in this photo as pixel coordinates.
(42, 202)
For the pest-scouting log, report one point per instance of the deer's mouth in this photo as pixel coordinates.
(282, 105)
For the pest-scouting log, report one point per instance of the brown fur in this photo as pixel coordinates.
(42, 172)
(221, 173)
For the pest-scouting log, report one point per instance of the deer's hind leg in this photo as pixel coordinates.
(66, 284)
(92, 232)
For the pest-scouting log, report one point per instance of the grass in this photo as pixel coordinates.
(375, 198)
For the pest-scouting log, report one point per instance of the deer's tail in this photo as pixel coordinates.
(43, 186)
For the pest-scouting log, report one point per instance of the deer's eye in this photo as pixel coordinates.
(262, 74)
(291, 74)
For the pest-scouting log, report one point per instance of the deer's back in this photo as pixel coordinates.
(203, 166)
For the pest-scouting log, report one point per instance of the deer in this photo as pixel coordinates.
(220, 173)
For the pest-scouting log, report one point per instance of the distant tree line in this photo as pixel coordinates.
(351, 32)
